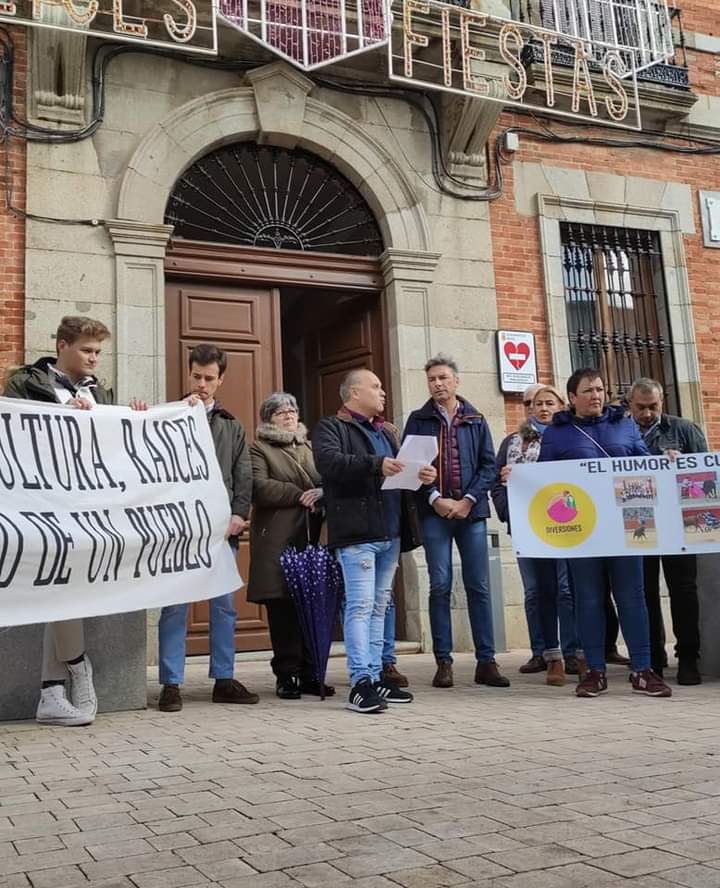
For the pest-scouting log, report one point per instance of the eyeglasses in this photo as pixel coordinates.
(288, 412)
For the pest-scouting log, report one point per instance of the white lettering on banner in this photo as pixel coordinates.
(108, 510)
(629, 505)
(447, 47)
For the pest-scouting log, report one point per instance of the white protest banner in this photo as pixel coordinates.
(108, 510)
(630, 505)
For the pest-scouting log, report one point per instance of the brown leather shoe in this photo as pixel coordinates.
(489, 674)
(170, 699)
(227, 690)
(534, 664)
(390, 673)
(555, 674)
(444, 676)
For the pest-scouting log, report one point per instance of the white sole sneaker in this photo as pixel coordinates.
(82, 690)
(54, 708)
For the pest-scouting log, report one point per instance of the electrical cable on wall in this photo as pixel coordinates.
(14, 127)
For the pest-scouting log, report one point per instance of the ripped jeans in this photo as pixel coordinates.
(368, 570)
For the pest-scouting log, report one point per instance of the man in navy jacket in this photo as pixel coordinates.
(455, 508)
(592, 430)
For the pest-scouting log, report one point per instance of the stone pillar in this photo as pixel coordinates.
(140, 327)
(140, 309)
(408, 275)
(115, 645)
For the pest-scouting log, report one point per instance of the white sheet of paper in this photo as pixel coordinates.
(416, 451)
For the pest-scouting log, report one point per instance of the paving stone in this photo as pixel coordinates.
(535, 858)
(228, 868)
(437, 876)
(111, 836)
(62, 877)
(39, 845)
(707, 848)
(171, 841)
(211, 853)
(639, 863)
(313, 875)
(596, 846)
(330, 832)
(179, 877)
(696, 876)
(298, 856)
(128, 866)
(478, 868)
(378, 863)
(260, 880)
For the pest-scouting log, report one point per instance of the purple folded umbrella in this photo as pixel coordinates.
(314, 580)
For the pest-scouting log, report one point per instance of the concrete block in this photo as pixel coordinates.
(115, 645)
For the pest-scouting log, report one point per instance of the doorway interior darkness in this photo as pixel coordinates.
(294, 336)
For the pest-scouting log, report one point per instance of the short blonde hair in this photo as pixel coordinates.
(552, 390)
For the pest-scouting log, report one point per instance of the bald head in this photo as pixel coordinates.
(361, 391)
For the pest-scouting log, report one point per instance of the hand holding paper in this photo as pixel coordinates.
(417, 452)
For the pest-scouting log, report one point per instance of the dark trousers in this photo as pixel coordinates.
(681, 577)
(612, 625)
(290, 653)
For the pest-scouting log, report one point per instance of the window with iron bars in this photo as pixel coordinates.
(616, 307)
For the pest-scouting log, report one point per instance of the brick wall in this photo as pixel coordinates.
(516, 238)
(12, 228)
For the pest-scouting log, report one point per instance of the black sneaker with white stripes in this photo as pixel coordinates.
(391, 693)
(364, 698)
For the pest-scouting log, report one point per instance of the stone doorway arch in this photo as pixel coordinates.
(275, 108)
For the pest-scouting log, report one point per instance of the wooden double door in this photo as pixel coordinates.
(293, 338)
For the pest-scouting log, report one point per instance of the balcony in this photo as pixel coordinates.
(653, 30)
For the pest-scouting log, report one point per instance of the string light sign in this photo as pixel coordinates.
(449, 48)
(188, 25)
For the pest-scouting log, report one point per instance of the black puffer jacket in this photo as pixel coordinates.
(352, 479)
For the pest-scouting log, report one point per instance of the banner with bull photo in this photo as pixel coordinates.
(108, 510)
(639, 505)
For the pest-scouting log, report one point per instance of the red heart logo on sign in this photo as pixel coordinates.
(517, 353)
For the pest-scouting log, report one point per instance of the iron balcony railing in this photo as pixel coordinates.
(653, 31)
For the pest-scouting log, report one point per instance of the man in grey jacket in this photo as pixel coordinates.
(670, 435)
(207, 365)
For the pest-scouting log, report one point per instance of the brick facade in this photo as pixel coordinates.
(12, 227)
(517, 253)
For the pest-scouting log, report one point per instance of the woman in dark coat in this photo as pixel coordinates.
(286, 494)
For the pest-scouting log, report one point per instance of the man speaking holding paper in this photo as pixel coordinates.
(368, 527)
(455, 507)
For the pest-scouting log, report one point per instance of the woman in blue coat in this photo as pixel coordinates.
(593, 430)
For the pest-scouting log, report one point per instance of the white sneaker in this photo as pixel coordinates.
(82, 692)
(54, 708)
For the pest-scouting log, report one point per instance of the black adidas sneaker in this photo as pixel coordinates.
(364, 698)
(391, 693)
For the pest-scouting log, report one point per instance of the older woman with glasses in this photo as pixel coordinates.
(286, 495)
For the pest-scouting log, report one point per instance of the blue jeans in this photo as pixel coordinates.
(388, 651)
(471, 540)
(550, 583)
(529, 577)
(626, 577)
(368, 571)
(173, 630)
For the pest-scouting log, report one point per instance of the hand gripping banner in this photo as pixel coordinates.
(108, 510)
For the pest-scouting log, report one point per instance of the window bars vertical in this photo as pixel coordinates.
(616, 306)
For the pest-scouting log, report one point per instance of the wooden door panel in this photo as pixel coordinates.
(244, 322)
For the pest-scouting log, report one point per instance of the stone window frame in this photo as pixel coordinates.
(552, 210)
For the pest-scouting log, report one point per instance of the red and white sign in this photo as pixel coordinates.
(516, 360)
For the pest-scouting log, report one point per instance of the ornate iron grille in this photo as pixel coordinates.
(272, 197)
(616, 307)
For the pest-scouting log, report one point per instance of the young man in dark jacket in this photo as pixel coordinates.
(367, 527)
(671, 435)
(69, 379)
(207, 365)
(455, 508)
(592, 430)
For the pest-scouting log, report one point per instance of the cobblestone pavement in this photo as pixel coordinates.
(520, 788)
